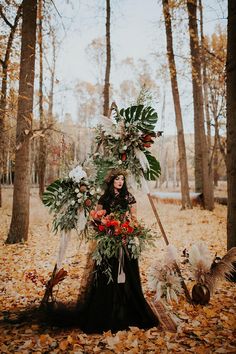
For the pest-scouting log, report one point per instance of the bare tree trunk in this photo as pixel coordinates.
(20, 212)
(51, 173)
(203, 173)
(186, 203)
(3, 94)
(106, 93)
(42, 145)
(231, 124)
(204, 76)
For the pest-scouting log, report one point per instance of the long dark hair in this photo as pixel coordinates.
(109, 192)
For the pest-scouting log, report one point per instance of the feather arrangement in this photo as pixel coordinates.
(208, 272)
(201, 260)
(163, 278)
(221, 269)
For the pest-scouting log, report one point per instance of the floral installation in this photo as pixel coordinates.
(70, 200)
(115, 231)
(126, 141)
(163, 278)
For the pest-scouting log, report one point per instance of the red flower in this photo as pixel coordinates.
(130, 229)
(125, 224)
(114, 223)
(101, 227)
(147, 145)
(88, 202)
(123, 156)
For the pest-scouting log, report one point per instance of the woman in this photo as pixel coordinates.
(120, 303)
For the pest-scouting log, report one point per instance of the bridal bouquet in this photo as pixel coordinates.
(114, 231)
(70, 200)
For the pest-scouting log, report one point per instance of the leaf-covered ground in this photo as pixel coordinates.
(209, 329)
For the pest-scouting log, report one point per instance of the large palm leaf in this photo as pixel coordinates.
(146, 117)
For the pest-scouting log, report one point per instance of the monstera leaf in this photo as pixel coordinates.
(154, 170)
(49, 196)
(146, 117)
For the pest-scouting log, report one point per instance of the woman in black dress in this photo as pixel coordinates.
(118, 304)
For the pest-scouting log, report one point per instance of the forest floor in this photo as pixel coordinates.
(208, 329)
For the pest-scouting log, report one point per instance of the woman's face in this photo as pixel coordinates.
(118, 182)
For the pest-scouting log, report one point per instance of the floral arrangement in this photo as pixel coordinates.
(126, 141)
(70, 200)
(164, 279)
(114, 231)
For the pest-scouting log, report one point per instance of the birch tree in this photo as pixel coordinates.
(203, 173)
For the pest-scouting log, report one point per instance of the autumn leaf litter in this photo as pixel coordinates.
(209, 329)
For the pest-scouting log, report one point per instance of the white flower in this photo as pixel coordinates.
(60, 189)
(58, 203)
(119, 162)
(72, 202)
(77, 174)
(76, 190)
(92, 191)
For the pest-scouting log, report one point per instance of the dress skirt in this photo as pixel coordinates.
(115, 306)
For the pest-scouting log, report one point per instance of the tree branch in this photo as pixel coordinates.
(4, 17)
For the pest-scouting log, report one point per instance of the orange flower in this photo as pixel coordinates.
(106, 221)
(97, 214)
(101, 213)
(117, 231)
(93, 213)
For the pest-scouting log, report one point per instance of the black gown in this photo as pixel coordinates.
(115, 306)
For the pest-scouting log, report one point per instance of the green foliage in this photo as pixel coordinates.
(154, 170)
(67, 198)
(127, 143)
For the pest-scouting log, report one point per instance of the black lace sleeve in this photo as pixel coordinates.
(130, 199)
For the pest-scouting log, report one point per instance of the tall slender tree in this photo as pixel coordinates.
(3, 94)
(203, 173)
(42, 145)
(231, 124)
(106, 91)
(204, 78)
(20, 212)
(186, 203)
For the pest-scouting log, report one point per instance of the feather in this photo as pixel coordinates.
(142, 159)
(221, 269)
(200, 259)
(107, 124)
(171, 255)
